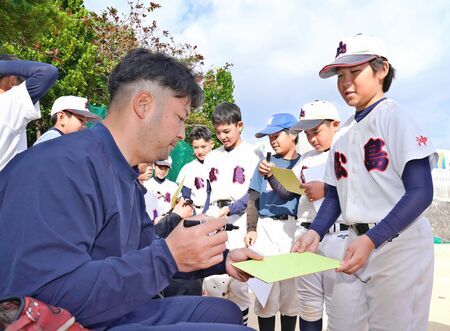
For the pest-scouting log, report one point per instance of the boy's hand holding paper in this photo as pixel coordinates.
(288, 179)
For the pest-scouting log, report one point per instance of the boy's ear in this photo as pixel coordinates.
(212, 142)
(240, 125)
(382, 73)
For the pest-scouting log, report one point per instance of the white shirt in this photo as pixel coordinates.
(366, 163)
(16, 111)
(195, 177)
(229, 173)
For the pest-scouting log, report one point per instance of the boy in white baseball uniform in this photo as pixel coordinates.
(379, 177)
(194, 174)
(161, 186)
(319, 120)
(229, 169)
(272, 218)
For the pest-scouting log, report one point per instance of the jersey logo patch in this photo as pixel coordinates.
(375, 158)
(213, 174)
(302, 113)
(342, 49)
(167, 197)
(339, 160)
(238, 175)
(422, 141)
(198, 182)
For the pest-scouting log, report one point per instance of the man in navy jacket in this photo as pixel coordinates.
(74, 231)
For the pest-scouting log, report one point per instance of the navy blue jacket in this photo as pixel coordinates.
(74, 231)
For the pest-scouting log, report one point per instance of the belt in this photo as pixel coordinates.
(362, 228)
(221, 203)
(283, 217)
(336, 227)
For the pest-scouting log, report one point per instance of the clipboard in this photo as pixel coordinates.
(288, 179)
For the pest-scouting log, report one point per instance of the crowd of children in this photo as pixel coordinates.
(367, 172)
(364, 205)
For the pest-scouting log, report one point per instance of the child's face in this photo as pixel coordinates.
(161, 171)
(282, 142)
(321, 136)
(201, 148)
(360, 86)
(229, 134)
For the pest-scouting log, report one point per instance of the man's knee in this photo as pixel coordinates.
(223, 311)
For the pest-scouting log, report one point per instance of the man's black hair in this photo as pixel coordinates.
(226, 113)
(200, 132)
(143, 64)
(376, 65)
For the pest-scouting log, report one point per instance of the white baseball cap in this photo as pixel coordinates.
(314, 113)
(167, 162)
(75, 105)
(354, 50)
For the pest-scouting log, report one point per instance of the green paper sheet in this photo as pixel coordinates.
(285, 266)
(288, 179)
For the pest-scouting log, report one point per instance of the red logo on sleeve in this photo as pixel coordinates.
(422, 141)
(374, 156)
(339, 161)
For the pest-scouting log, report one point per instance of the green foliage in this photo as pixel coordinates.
(218, 87)
(24, 21)
(85, 47)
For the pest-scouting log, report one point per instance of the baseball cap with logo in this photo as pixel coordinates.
(354, 50)
(314, 113)
(277, 123)
(73, 104)
(166, 163)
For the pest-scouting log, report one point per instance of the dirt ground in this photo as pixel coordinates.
(440, 300)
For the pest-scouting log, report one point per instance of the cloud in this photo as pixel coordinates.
(278, 47)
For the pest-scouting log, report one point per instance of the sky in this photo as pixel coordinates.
(277, 49)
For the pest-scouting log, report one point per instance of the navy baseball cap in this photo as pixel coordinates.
(277, 122)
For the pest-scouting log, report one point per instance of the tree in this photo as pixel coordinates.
(218, 86)
(24, 21)
(86, 46)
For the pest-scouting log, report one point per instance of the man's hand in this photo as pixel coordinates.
(308, 242)
(264, 168)
(224, 211)
(183, 209)
(356, 255)
(194, 248)
(250, 238)
(314, 190)
(238, 255)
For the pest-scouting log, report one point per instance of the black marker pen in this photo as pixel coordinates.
(268, 157)
(226, 227)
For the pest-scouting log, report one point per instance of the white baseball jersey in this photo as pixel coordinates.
(195, 177)
(164, 191)
(367, 161)
(392, 290)
(229, 173)
(16, 111)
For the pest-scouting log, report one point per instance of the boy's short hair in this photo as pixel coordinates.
(200, 132)
(377, 64)
(226, 113)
